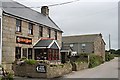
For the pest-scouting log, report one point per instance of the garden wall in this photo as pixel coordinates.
(51, 71)
(76, 66)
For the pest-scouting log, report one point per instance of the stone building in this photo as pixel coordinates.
(92, 43)
(22, 29)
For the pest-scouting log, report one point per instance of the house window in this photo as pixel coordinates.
(30, 29)
(17, 52)
(24, 50)
(18, 25)
(49, 32)
(29, 53)
(83, 45)
(55, 35)
(71, 45)
(40, 31)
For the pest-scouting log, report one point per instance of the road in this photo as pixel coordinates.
(106, 70)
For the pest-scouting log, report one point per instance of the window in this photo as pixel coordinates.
(18, 25)
(29, 53)
(40, 31)
(49, 32)
(30, 29)
(55, 35)
(71, 45)
(24, 52)
(83, 45)
(17, 52)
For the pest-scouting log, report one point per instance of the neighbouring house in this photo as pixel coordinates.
(27, 33)
(91, 43)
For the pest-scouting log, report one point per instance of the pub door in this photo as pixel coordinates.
(63, 60)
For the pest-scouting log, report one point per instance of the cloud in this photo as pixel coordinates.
(84, 17)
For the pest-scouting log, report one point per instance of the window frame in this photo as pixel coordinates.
(29, 56)
(18, 25)
(17, 53)
(40, 31)
(55, 35)
(30, 29)
(49, 32)
(25, 52)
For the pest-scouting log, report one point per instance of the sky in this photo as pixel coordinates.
(83, 17)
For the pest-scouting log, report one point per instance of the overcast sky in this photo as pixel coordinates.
(83, 17)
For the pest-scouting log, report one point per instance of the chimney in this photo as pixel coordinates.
(100, 35)
(45, 10)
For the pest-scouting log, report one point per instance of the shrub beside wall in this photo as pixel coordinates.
(95, 60)
(109, 57)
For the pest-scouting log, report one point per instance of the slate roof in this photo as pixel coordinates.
(19, 10)
(43, 43)
(46, 44)
(80, 38)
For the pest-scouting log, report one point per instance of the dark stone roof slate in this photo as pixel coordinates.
(80, 38)
(46, 44)
(17, 9)
(43, 43)
(54, 46)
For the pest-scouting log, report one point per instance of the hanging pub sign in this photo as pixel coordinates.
(41, 68)
(23, 40)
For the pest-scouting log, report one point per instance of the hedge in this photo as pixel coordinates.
(95, 60)
(109, 57)
(30, 61)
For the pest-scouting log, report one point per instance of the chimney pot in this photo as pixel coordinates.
(45, 10)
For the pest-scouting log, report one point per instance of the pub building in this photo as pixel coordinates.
(27, 33)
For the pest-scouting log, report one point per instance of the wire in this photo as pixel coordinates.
(63, 3)
(47, 5)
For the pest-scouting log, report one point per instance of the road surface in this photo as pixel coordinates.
(106, 70)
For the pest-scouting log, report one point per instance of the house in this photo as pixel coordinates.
(27, 33)
(91, 43)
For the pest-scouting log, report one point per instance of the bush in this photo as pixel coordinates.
(109, 57)
(95, 60)
(31, 61)
(9, 76)
(23, 58)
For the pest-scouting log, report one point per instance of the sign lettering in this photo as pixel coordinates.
(23, 40)
(41, 68)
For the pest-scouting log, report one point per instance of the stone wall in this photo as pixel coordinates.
(8, 41)
(59, 70)
(99, 47)
(27, 70)
(81, 66)
(76, 66)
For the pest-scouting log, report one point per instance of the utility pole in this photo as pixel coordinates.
(109, 44)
